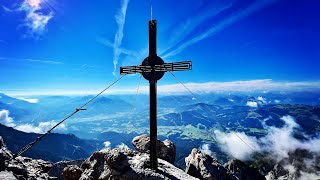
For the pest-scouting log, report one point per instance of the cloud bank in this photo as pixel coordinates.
(41, 128)
(5, 119)
(279, 143)
(262, 85)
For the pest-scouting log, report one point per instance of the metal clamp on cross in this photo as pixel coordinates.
(152, 69)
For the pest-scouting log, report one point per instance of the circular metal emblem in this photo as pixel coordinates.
(152, 61)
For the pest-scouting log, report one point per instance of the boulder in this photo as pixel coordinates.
(57, 168)
(203, 166)
(242, 171)
(5, 154)
(5, 175)
(72, 172)
(166, 150)
(124, 163)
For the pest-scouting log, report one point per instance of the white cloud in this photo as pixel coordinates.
(239, 86)
(277, 101)
(279, 142)
(233, 145)
(252, 104)
(30, 100)
(107, 144)
(35, 20)
(120, 19)
(121, 49)
(5, 119)
(42, 127)
(123, 146)
(206, 149)
(208, 87)
(263, 100)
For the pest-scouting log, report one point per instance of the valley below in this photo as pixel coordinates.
(263, 129)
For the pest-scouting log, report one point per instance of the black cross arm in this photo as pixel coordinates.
(175, 66)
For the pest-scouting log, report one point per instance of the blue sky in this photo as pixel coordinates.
(49, 46)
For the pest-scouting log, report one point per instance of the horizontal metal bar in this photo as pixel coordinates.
(175, 66)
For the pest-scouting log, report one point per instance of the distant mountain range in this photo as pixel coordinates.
(54, 147)
(181, 118)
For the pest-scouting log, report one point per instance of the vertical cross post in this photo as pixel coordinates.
(152, 69)
(153, 95)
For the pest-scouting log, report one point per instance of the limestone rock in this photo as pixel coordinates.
(5, 175)
(166, 150)
(57, 168)
(5, 154)
(124, 163)
(242, 171)
(72, 172)
(203, 166)
(22, 167)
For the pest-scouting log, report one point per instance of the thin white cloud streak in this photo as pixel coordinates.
(222, 25)
(122, 50)
(35, 20)
(208, 87)
(120, 19)
(6, 9)
(44, 61)
(186, 27)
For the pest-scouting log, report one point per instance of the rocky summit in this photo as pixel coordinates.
(21, 167)
(125, 163)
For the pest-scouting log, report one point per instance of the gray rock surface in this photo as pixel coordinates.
(124, 163)
(5, 154)
(242, 171)
(166, 150)
(22, 167)
(72, 172)
(203, 166)
(5, 175)
(57, 168)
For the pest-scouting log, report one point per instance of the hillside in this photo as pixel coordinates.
(54, 147)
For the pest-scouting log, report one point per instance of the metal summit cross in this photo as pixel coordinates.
(152, 69)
